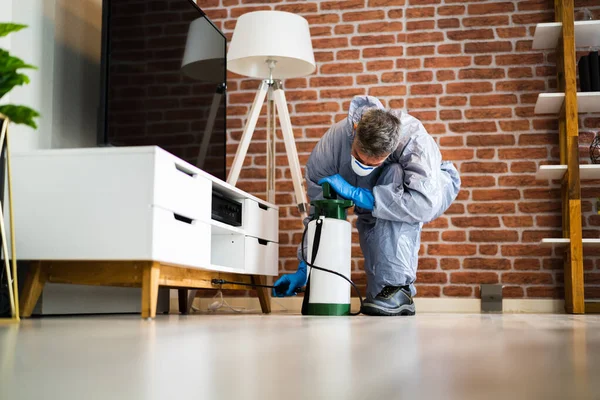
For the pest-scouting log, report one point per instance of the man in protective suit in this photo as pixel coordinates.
(387, 163)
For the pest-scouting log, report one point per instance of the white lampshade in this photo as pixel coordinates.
(204, 54)
(277, 35)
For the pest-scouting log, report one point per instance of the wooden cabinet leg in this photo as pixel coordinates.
(34, 284)
(150, 278)
(263, 293)
(183, 300)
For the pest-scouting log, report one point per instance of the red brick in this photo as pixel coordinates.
(413, 63)
(344, 29)
(321, 19)
(427, 263)
(481, 73)
(539, 207)
(298, 8)
(367, 79)
(449, 263)
(474, 277)
(451, 10)
(545, 291)
(316, 107)
(386, 3)
(451, 101)
(488, 249)
(487, 263)
(452, 249)
(523, 166)
(452, 141)
(480, 222)
(236, 12)
(493, 100)
(432, 277)
(519, 59)
(420, 25)
(549, 221)
(420, 76)
(534, 18)
(535, 5)
(514, 125)
(445, 75)
(491, 208)
(496, 194)
(380, 65)
(521, 85)
(483, 60)
(331, 81)
(488, 113)
(471, 34)
(420, 50)
(527, 264)
(527, 278)
(426, 89)
(530, 250)
(457, 291)
(448, 23)
(506, 33)
(454, 236)
(425, 115)
(341, 94)
(423, 2)
(453, 155)
(427, 37)
(342, 5)
(380, 27)
(364, 40)
(421, 102)
(448, 62)
(399, 90)
(392, 51)
(320, 31)
(430, 236)
(517, 222)
(491, 8)
(363, 16)
(477, 181)
(446, 115)
(456, 208)
(488, 47)
(345, 55)
(486, 21)
(435, 129)
(484, 167)
(469, 87)
(542, 193)
(439, 223)
(450, 49)
(330, 43)
(462, 127)
(523, 154)
(493, 236)
(341, 68)
(323, 56)
(418, 12)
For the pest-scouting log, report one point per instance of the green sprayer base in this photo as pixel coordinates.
(328, 309)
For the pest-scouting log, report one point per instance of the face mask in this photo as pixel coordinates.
(360, 169)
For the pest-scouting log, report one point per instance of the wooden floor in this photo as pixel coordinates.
(285, 357)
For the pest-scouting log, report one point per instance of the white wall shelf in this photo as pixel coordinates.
(550, 103)
(587, 34)
(565, 241)
(555, 172)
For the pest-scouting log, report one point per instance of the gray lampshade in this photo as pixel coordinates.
(204, 55)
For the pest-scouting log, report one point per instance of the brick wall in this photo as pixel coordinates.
(467, 71)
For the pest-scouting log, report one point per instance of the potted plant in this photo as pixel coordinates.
(10, 76)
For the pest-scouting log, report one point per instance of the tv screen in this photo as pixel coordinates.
(163, 80)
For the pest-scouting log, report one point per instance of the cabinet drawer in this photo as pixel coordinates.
(260, 222)
(261, 257)
(180, 189)
(178, 240)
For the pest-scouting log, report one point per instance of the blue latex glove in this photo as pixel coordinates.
(288, 284)
(363, 198)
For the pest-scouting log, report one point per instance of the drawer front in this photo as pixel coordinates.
(260, 223)
(261, 257)
(178, 240)
(180, 189)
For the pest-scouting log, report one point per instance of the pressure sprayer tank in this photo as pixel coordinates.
(326, 293)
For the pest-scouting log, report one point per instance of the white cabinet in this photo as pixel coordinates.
(135, 203)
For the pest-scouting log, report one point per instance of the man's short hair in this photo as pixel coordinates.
(378, 133)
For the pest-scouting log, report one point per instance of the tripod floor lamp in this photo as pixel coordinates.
(271, 45)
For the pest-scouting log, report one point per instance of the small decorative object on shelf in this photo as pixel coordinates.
(595, 150)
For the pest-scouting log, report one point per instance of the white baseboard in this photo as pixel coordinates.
(423, 304)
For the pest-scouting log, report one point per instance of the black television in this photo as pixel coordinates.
(163, 80)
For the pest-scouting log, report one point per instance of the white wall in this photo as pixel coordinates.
(63, 40)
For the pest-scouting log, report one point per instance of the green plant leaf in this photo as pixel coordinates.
(7, 27)
(10, 80)
(10, 63)
(20, 114)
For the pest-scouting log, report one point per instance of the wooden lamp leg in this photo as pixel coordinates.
(263, 293)
(150, 279)
(34, 285)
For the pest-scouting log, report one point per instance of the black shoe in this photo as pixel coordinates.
(391, 301)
